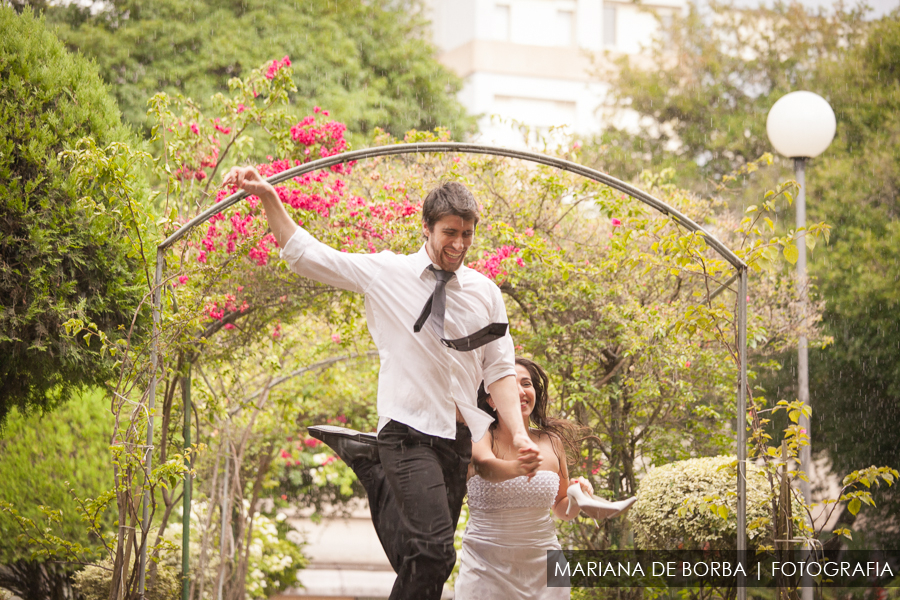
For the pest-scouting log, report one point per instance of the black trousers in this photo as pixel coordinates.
(415, 496)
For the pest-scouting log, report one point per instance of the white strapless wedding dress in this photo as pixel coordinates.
(504, 549)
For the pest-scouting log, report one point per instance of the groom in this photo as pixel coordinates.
(440, 329)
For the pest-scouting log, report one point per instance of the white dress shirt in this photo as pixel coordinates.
(421, 382)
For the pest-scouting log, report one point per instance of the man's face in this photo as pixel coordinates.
(448, 241)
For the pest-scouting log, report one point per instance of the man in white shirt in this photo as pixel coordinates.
(432, 361)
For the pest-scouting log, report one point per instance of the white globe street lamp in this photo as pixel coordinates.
(801, 126)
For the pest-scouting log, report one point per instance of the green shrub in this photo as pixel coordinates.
(57, 260)
(94, 581)
(682, 505)
(38, 456)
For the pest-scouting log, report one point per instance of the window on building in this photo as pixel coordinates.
(501, 22)
(536, 112)
(665, 23)
(609, 24)
(665, 20)
(565, 27)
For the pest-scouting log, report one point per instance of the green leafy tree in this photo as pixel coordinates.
(58, 259)
(705, 85)
(855, 185)
(369, 62)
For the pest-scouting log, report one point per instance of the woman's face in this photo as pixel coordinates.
(526, 391)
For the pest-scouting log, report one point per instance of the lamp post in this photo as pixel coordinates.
(801, 126)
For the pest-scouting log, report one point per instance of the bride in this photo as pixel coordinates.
(504, 549)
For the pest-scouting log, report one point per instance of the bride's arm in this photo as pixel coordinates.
(561, 505)
(494, 469)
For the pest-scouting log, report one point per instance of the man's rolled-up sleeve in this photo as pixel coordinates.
(499, 355)
(307, 256)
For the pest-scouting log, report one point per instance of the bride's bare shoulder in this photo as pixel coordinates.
(551, 447)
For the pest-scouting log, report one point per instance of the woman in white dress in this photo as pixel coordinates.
(504, 550)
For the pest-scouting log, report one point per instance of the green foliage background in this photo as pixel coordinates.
(42, 457)
(57, 259)
(367, 62)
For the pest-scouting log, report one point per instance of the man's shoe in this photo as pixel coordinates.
(353, 447)
(325, 433)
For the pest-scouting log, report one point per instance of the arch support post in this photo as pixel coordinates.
(151, 402)
(188, 480)
(742, 431)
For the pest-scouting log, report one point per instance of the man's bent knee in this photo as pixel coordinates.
(437, 558)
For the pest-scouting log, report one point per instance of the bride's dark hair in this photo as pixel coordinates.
(564, 429)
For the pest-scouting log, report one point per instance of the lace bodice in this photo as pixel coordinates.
(520, 492)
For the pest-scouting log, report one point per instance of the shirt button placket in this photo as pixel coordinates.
(454, 381)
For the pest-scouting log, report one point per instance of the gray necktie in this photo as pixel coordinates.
(436, 306)
(437, 302)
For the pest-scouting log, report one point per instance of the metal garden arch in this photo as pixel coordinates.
(741, 274)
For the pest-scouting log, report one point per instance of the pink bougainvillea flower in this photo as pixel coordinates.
(276, 66)
(195, 129)
(342, 418)
(529, 232)
(240, 108)
(229, 325)
(491, 264)
(687, 365)
(616, 222)
(222, 128)
(336, 338)
(311, 442)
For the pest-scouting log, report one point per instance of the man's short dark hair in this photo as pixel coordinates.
(449, 198)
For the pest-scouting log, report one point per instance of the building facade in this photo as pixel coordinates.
(535, 62)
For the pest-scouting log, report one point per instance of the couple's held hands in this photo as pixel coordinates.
(529, 459)
(247, 179)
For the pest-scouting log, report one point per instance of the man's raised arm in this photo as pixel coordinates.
(249, 180)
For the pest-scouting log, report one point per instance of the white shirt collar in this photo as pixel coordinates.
(421, 262)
